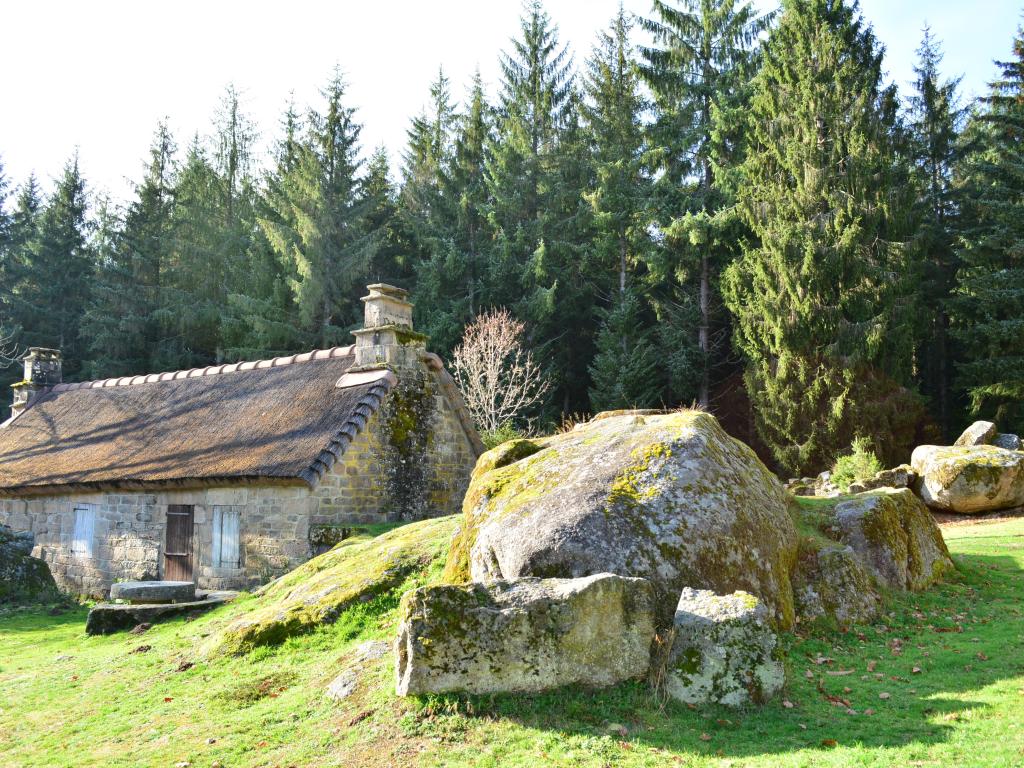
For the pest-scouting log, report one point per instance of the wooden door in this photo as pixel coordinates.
(178, 551)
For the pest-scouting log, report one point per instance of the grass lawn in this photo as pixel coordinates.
(939, 682)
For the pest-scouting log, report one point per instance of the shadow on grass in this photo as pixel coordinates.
(903, 678)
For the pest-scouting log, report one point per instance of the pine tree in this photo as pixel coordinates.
(392, 262)
(58, 272)
(22, 231)
(935, 119)
(989, 307)
(703, 54)
(316, 223)
(821, 297)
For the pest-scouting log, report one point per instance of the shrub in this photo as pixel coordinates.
(860, 464)
(494, 437)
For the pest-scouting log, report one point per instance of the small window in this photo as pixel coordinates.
(85, 526)
(226, 521)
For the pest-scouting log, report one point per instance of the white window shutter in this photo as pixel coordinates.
(226, 523)
(229, 539)
(85, 528)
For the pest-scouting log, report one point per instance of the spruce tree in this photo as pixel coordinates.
(821, 295)
(697, 68)
(537, 168)
(58, 273)
(450, 275)
(625, 369)
(934, 121)
(131, 259)
(315, 222)
(989, 306)
(620, 203)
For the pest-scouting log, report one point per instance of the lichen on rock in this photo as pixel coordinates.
(969, 479)
(526, 635)
(895, 536)
(724, 652)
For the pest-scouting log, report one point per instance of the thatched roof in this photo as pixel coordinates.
(281, 420)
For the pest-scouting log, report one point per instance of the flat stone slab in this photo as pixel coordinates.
(107, 618)
(153, 591)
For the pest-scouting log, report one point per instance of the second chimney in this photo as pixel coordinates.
(42, 371)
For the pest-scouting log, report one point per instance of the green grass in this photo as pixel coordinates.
(68, 699)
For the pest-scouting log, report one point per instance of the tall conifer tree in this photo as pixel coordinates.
(623, 373)
(820, 296)
(58, 273)
(934, 121)
(989, 309)
(697, 69)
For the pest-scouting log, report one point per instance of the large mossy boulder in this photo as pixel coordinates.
(23, 578)
(666, 497)
(523, 636)
(317, 592)
(969, 479)
(895, 536)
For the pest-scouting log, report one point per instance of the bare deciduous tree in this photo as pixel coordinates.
(10, 353)
(497, 376)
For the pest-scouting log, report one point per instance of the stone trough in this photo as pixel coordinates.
(147, 602)
(153, 591)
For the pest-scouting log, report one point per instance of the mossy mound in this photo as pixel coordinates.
(667, 497)
(23, 578)
(318, 591)
(969, 479)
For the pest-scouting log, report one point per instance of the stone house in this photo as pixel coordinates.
(233, 474)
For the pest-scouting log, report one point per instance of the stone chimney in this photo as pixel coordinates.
(42, 371)
(387, 337)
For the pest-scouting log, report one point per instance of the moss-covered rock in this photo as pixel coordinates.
(23, 578)
(724, 651)
(667, 497)
(895, 536)
(527, 635)
(831, 582)
(318, 591)
(969, 479)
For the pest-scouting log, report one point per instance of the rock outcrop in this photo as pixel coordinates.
(23, 578)
(979, 433)
(894, 535)
(670, 498)
(724, 651)
(526, 635)
(831, 581)
(969, 479)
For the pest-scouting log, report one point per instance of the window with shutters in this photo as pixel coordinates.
(85, 527)
(226, 522)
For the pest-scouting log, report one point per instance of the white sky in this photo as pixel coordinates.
(98, 75)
